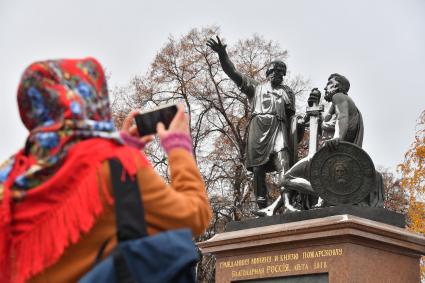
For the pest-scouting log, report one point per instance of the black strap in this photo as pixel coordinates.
(129, 212)
(130, 216)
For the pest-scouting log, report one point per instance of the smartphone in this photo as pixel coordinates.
(146, 121)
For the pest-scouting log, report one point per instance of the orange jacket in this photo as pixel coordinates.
(181, 204)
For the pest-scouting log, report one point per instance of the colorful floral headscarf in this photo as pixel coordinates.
(50, 190)
(61, 102)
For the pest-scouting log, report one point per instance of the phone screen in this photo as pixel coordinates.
(146, 121)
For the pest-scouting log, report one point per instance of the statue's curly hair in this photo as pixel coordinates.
(272, 65)
(344, 84)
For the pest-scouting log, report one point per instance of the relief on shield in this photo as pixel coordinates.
(343, 176)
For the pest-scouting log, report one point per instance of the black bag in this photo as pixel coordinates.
(170, 256)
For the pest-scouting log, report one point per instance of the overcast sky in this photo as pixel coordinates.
(378, 45)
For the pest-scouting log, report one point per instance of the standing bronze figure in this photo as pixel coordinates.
(272, 106)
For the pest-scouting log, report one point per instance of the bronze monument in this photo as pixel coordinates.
(334, 227)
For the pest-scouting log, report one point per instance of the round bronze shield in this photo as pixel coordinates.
(342, 176)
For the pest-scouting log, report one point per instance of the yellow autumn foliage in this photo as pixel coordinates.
(413, 181)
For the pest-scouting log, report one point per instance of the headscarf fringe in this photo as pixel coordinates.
(44, 244)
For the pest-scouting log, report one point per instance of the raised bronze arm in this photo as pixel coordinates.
(226, 64)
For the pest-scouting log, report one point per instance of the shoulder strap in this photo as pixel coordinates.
(129, 212)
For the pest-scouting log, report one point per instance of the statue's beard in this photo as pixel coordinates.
(329, 94)
(275, 81)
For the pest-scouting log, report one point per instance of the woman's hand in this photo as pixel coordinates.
(129, 128)
(179, 124)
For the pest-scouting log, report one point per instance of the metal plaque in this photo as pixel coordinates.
(342, 176)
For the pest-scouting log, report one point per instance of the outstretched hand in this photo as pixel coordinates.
(217, 46)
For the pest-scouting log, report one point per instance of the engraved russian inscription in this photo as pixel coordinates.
(280, 263)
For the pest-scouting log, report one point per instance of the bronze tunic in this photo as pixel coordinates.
(271, 110)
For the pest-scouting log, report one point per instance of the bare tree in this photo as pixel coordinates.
(186, 70)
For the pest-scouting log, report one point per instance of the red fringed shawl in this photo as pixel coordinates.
(35, 232)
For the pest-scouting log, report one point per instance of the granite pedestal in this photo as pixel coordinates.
(339, 248)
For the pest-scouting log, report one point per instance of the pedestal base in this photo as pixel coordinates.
(340, 248)
(378, 214)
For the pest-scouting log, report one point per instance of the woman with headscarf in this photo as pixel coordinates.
(56, 200)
